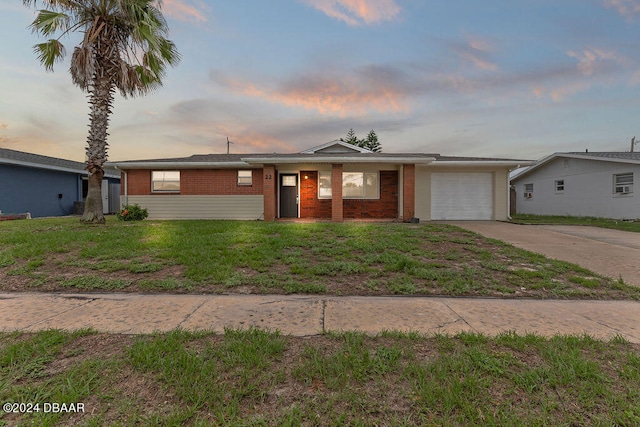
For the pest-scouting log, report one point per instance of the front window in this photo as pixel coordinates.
(165, 181)
(245, 177)
(623, 183)
(355, 185)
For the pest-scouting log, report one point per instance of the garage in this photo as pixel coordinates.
(462, 196)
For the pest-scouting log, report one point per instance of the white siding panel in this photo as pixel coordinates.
(201, 207)
(462, 196)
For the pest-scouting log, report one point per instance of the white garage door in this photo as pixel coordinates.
(461, 196)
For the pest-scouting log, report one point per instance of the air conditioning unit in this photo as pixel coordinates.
(623, 189)
(528, 195)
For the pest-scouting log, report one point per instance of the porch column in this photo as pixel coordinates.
(408, 192)
(336, 193)
(269, 192)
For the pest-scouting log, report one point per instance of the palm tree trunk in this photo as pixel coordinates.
(100, 99)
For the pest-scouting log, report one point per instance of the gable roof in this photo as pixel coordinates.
(20, 158)
(602, 156)
(336, 146)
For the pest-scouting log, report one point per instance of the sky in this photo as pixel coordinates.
(494, 78)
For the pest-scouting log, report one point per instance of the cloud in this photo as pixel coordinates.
(357, 12)
(4, 126)
(591, 58)
(373, 88)
(476, 51)
(182, 11)
(627, 8)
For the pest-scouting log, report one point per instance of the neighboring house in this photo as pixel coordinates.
(332, 181)
(48, 186)
(599, 184)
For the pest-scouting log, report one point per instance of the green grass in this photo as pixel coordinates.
(269, 257)
(616, 224)
(257, 378)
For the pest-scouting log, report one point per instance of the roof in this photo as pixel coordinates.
(602, 156)
(20, 158)
(333, 152)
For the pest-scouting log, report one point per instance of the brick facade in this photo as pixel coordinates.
(310, 205)
(264, 182)
(337, 206)
(270, 191)
(201, 182)
(383, 208)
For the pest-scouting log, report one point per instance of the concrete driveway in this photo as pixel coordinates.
(608, 252)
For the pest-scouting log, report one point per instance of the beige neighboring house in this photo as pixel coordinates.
(334, 181)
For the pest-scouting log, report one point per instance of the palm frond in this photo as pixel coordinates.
(48, 22)
(49, 53)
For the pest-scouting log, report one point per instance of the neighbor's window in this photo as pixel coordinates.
(355, 185)
(324, 185)
(528, 191)
(165, 181)
(560, 186)
(245, 177)
(623, 183)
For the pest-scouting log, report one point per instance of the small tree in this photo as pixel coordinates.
(370, 143)
(351, 138)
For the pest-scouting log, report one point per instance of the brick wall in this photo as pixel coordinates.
(310, 205)
(222, 182)
(337, 205)
(269, 186)
(385, 207)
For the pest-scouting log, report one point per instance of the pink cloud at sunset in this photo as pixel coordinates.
(356, 12)
(626, 8)
(182, 11)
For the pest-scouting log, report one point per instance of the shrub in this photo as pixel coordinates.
(132, 213)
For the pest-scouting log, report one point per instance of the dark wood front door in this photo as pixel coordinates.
(288, 196)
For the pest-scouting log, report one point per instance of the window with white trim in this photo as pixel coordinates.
(165, 181)
(528, 191)
(559, 186)
(623, 183)
(355, 185)
(245, 177)
(324, 185)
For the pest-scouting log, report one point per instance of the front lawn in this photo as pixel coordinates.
(260, 378)
(274, 257)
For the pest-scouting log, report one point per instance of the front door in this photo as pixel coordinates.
(288, 196)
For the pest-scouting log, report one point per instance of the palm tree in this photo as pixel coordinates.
(123, 47)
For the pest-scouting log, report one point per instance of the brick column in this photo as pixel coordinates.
(408, 192)
(269, 192)
(336, 193)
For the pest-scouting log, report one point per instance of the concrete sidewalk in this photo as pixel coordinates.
(312, 315)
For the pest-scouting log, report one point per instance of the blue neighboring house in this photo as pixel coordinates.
(48, 186)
